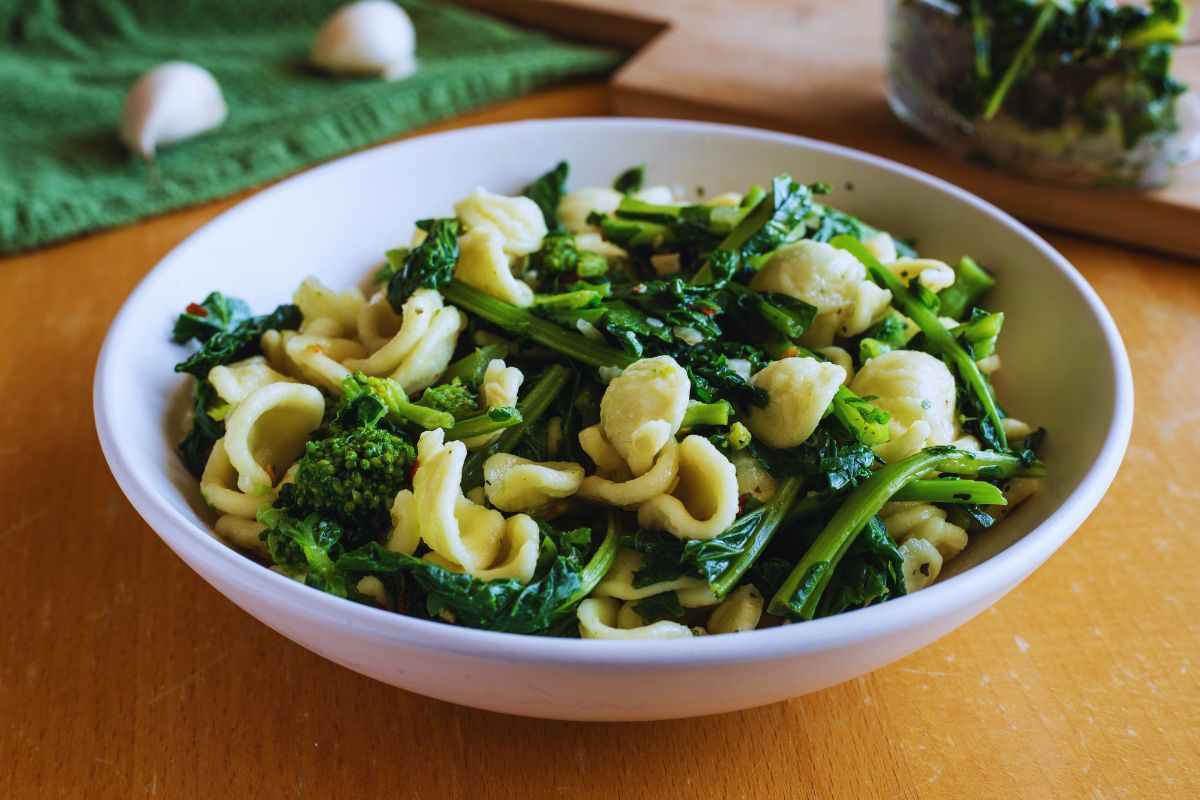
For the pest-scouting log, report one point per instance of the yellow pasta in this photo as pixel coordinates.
(799, 390)
(268, 430)
(598, 620)
(704, 501)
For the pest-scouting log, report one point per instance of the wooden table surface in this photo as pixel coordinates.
(122, 674)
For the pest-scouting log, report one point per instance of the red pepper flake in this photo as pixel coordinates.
(412, 471)
(197, 310)
(708, 311)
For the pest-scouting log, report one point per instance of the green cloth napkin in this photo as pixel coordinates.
(65, 66)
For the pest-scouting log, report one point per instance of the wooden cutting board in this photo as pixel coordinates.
(816, 67)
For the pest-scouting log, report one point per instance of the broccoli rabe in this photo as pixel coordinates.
(547, 191)
(366, 400)
(198, 444)
(429, 265)
(351, 479)
(454, 398)
(305, 548)
(226, 331)
(560, 255)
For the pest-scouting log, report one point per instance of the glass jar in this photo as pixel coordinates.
(1083, 106)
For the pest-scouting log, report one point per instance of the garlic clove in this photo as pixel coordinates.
(372, 37)
(173, 101)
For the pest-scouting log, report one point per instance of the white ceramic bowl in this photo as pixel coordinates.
(1064, 367)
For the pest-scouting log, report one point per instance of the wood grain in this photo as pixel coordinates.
(123, 675)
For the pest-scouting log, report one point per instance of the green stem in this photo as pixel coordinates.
(707, 414)
(598, 565)
(773, 515)
(981, 42)
(490, 421)
(993, 465)
(943, 490)
(816, 567)
(949, 490)
(750, 225)
(981, 334)
(1049, 9)
(866, 422)
(470, 368)
(531, 408)
(970, 283)
(938, 338)
(522, 323)
(427, 418)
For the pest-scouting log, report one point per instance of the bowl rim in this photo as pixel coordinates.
(991, 578)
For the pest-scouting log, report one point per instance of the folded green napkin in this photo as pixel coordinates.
(65, 66)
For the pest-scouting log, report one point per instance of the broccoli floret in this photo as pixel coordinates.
(454, 398)
(351, 479)
(367, 400)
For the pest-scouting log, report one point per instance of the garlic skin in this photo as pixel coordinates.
(173, 101)
(369, 37)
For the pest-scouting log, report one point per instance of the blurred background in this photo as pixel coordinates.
(1086, 99)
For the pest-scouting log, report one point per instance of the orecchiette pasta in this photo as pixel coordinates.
(598, 620)
(218, 487)
(517, 558)
(919, 393)
(416, 317)
(839, 356)
(405, 535)
(321, 326)
(832, 280)
(453, 527)
(922, 563)
(241, 532)
(1016, 491)
(593, 243)
(618, 583)
(426, 362)
(271, 343)
(741, 611)
(483, 264)
(318, 301)
(905, 520)
(267, 431)
(732, 199)
(704, 501)
(373, 588)
(518, 220)
(609, 463)
(934, 275)
(574, 207)
(1015, 429)
(513, 483)
(235, 381)
(634, 491)
(378, 322)
(314, 365)
(799, 390)
(642, 409)
(753, 478)
(882, 246)
(313, 360)
(990, 364)
(501, 386)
